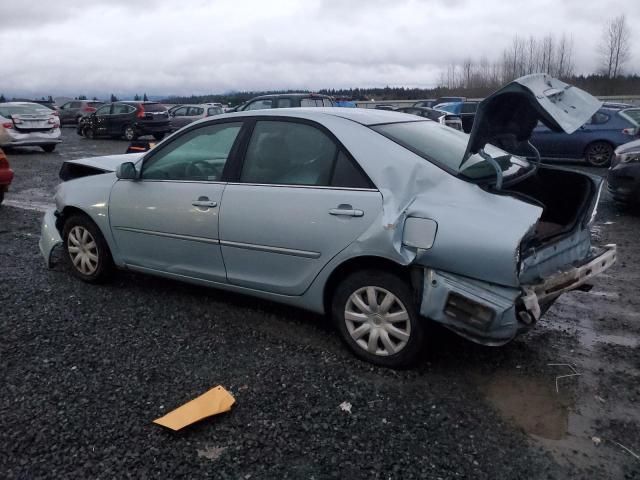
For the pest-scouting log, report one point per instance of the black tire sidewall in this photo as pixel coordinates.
(105, 262)
(89, 133)
(401, 289)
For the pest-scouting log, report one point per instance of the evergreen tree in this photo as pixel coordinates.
(2, 99)
(113, 98)
(145, 99)
(136, 97)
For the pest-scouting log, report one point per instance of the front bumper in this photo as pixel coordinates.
(623, 182)
(491, 314)
(49, 236)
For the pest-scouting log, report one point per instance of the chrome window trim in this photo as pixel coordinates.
(315, 187)
(217, 182)
(266, 248)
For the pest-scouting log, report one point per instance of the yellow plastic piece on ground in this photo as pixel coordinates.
(217, 400)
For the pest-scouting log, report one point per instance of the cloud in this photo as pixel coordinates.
(198, 46)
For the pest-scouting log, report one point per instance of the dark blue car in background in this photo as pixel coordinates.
(595, 141)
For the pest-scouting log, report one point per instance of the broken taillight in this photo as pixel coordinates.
(630, 131)
(7, 125)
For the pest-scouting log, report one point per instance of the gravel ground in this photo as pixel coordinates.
(84, 370)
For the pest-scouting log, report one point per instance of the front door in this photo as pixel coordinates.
(101, 120)
(299, 201)
(167, 221)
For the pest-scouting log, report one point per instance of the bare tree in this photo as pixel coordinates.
(564, 57)
(615, 46)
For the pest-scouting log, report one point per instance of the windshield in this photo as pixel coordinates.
(445, 147)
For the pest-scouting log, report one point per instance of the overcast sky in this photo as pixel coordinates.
(92, 47)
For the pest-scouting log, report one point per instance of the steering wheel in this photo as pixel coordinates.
(201, 169)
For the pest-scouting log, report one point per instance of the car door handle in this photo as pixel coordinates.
(204, 203)
(346, 210)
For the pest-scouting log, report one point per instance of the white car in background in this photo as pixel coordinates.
(26, 124)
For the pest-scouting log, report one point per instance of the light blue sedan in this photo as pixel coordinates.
(380, 219)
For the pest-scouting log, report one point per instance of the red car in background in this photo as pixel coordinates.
(6, 175)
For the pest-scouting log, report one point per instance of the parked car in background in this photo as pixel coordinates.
(186, 114)
(623, 180)
(440, 100)
(6, 175)
(445, 118)
(73, 111)
(379, 219)
(127, 119)
(27, 124)
(595, 141)
(286, 100)
(425, 103)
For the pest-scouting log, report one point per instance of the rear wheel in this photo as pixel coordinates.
(599, 154)
(158, 136)
(129, 133)
(377, 318)
(49, 148)
(88, 254)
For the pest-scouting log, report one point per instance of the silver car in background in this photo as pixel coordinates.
(380, 219)
(186, 114)
(26, 124)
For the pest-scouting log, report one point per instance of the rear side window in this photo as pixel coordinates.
(284, 103)
(346, 174)
(122, 108)
(311, 102)
(599, 118)
(95, 104)
(154, 107)
(469, 107)
(214, 111)
(104, 110)
(194, 111)
(327, 103)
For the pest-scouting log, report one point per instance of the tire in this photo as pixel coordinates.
(599, 154)
(1, 196)
(49, 148)
(158, 136)
(91, 260)
(78, 120)
(394, 349)
(129, 133)
(89, 133)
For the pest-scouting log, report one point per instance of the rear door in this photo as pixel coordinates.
(121, 115)
(298, 200)
(167, 221)
(180, 118)
(101, 120)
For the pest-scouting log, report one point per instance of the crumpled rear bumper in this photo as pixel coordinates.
(49, 236)
(491, 314)
(555, 285)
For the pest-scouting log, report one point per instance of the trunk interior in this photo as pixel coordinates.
(564, 196)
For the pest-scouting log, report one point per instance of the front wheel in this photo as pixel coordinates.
(599, 154)
(88, 254)
(89, 133)
(49, 147)
(377, 318)
(129, 133)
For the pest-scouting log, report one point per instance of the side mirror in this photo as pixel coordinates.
(126, 171)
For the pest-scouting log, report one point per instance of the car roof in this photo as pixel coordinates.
(363, 116)
(272, 95)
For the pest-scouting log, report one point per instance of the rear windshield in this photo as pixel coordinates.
(154, 107)
(445, 147)
(633, 114)
(8, 110)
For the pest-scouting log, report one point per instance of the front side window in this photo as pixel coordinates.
(198, 155)
(260, 104)
(104, 110)
(180, 112)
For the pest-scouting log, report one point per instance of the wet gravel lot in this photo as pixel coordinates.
(84, 370)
